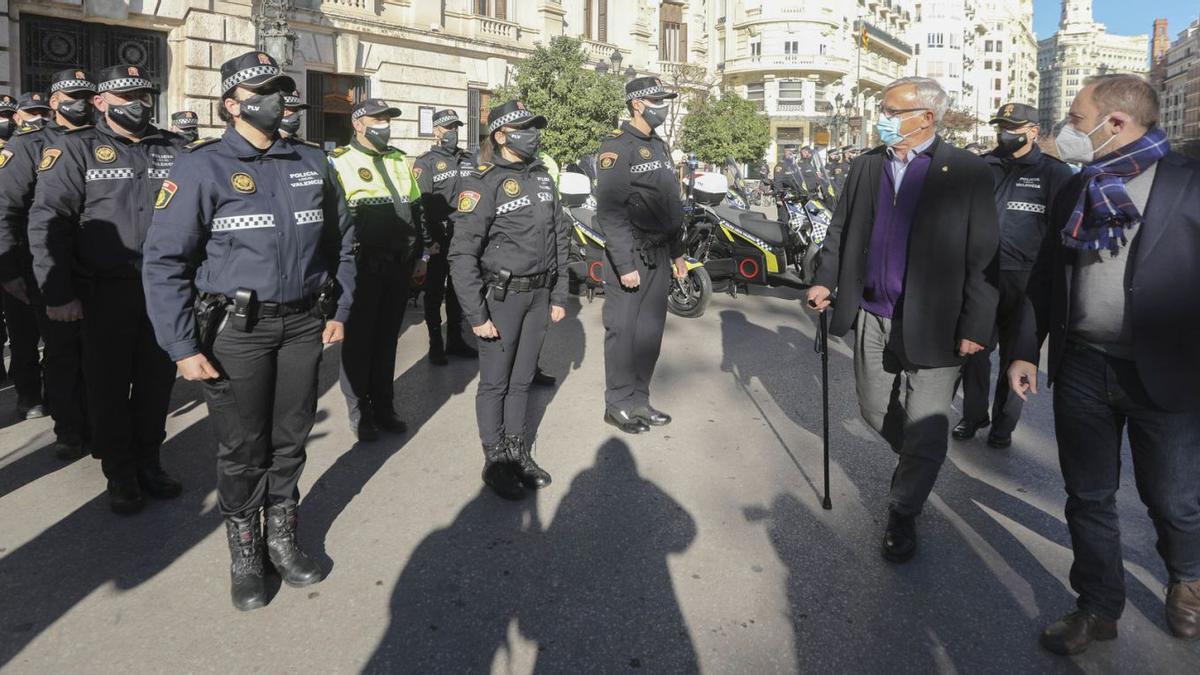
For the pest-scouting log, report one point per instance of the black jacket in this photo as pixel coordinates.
(637, 195)
(508, 218)
(437, 173)
(1161, 288)
(1025, 190)
(18, 177)
(950, 289)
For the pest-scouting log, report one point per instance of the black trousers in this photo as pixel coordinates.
(369, 352)
(438, 286)
(977, 371)
(62, 371)
(507, 365)
(263, 407)
(633, 329)
(25, 366)
(128, 378)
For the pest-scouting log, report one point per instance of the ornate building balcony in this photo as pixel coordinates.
(835, 66)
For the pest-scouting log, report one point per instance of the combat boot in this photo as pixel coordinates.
(296, 568)
(532, 476)
(437, 349)
(248, 584)
(499, 471)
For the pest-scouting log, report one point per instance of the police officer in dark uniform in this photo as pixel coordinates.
(71, 92)
(91, 212)
(437, 173)
(639, 208)
(508, 260)
(248, 231)
(8, 110)
(392, 248)
(186, 123)
(293, 115)
(1026, 183)
(18, 168)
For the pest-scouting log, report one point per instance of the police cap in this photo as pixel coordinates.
(374, 107)
(185, 119)
(446, 118)
(32, 100)
(121, 79)
(8, 104)
(513, 114)
(71, 81)
(294, 101)
(647, 87)
(1015, 113)
(253, 70)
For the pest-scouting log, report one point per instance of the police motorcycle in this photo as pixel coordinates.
(586, 257)
(807, 223)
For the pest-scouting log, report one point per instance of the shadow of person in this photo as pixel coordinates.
(455, 600)
(566, 344)
(42, 579)
(599, 598)
(420, 392)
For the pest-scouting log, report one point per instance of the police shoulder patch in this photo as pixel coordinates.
(607, 160)
(467, 201)
(200, 143)
(105, 154)
(644, 152)
(4, 156)
(49, 157)
(165, 193)
(338, 152)
(365, 174)
(242, 182)
(441, 165)
(511, 187)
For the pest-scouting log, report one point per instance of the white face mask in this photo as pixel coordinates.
(1075, 146)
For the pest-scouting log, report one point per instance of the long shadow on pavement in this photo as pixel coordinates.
(593, 590)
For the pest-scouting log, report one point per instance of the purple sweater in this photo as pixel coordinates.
(887, 257)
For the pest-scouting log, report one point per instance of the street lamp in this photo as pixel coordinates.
(630, 73)
(275, 37)
(615, 60)
(602, 68)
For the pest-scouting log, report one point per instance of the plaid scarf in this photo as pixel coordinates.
(1104, 212)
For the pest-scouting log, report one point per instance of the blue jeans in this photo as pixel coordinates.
(1095, 396)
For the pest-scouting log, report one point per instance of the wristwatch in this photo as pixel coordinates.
(425, 256)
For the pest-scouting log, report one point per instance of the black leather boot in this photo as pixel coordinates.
(158, 483)
(457, 346)
(532, 476)
(437, 349)
(387, 419)
(248, 584)
(296, 568)
(365, 429)
(500, 471)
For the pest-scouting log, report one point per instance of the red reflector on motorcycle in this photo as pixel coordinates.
(596, 271)
(749, 268)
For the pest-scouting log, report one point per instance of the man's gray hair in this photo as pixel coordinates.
(929, 94)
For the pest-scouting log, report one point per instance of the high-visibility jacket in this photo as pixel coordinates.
(383, 197)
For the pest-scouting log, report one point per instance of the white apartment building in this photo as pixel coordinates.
(1180, 95)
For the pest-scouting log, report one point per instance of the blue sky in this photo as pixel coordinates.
(1122, 17)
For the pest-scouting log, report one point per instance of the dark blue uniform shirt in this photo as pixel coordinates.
(232, 216)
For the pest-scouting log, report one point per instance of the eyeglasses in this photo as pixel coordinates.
(892, 112)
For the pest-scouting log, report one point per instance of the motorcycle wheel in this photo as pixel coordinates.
(689, 298)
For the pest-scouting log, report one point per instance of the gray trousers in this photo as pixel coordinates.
(633, 329)
(909, 406)
(506, 366)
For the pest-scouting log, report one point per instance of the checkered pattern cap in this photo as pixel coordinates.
(252, 70)
(375, 107)
(185, 119)
(647, 87)
(71, 81)
(513, 114)
(446, 118)
(293, 100)
(8, 104)
(33, 100)
(124, 78)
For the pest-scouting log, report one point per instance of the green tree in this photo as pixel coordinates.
(729, 126)
(580, 104)
(958, 126)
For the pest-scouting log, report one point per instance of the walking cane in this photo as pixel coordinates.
(821, 345)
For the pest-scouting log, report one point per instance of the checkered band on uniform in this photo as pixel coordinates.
(513, 205)
(247, 74)
(250, 222)
(292, 101)
(107, 174)
(358, 112)
(373, 201)
(125, 83)
(309, 217)
(509, 118)
(158, 174)
(656, 90)
(443, 121)
(72, 84)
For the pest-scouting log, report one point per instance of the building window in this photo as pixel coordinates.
(791, 47)
(595, 21)
(479, 102)
(935, 40)
(791, 93)
(987, 46)
(755, 92)
(672, 34)
(331, 98)
(756, 50)
(497, 9)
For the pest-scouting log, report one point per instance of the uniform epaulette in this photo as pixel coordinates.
(614, 133)
(481, 169)
(77, 129)
(200, 143)
(338, 152)
(26, 129)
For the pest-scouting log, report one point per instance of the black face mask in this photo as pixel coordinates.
(379, 137)
(134, 116)
(656, 116)
(290, 124)
(263, 111)
(77, 112)
(1008, 143)
(6, 130)
(525, 143)
(450, 139)
(189, 135)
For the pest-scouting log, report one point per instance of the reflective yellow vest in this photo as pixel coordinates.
(382, 194)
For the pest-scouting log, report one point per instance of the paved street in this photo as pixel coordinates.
(701, 546)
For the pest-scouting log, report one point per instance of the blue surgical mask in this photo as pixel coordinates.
(889, 130)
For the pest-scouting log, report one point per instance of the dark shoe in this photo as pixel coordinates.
(125, 496)
(652, 417)
(1183, 609)
(998, 440)
(158, 484)
(69, 450)
(365, 430)
(30, 410)
(1073, 633)
(543, 380)
(900, 538)
(387, 420)
(296, 568)
(965, 430)
(457, 346)
(532, 476)
(499, 472)
(625, 422)
(247, 578)
(437, 349)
